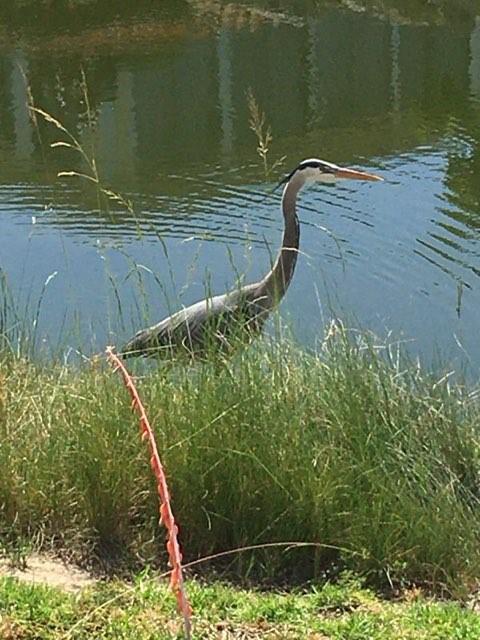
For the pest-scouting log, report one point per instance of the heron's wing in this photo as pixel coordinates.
(210, 323)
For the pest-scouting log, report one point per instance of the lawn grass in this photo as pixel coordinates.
(144, 610)
(373, 465)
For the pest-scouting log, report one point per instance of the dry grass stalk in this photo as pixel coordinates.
(262, 131)
(166, 513)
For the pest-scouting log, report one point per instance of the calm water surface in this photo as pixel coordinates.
(169, 130)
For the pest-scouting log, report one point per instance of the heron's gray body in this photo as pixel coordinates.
(233, 318)
(218, 322)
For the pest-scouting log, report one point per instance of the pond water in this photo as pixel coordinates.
(167, 122)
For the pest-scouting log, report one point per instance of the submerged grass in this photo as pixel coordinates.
(375, 466)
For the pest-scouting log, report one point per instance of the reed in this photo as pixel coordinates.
(263, 133)
(375, 463)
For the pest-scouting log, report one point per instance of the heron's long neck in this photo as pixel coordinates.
(276, 282)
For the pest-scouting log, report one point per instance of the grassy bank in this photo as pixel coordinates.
(143, 610)
(375, 466)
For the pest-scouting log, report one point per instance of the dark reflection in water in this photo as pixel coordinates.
(168, 126)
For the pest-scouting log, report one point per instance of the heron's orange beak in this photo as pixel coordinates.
(352, 174)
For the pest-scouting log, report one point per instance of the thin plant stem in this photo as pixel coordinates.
(166, 513)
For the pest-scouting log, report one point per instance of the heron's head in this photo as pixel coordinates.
(313, 170)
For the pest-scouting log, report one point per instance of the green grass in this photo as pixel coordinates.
(145, 610)
(376, 467)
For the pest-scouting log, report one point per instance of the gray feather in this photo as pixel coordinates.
(218, 322)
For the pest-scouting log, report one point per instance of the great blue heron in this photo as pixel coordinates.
(219, 321)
